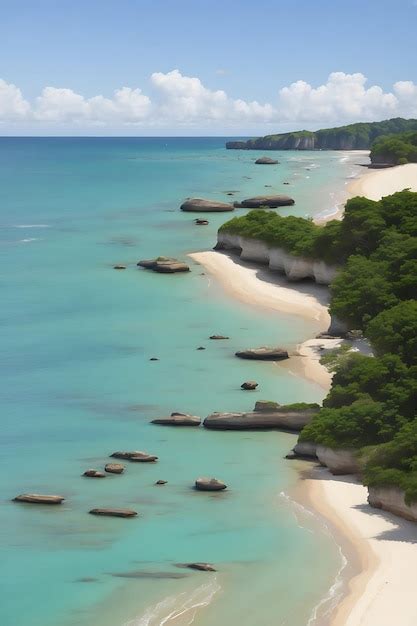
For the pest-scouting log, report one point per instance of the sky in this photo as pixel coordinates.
(203, 67)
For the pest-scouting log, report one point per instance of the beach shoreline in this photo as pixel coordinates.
(381, 547)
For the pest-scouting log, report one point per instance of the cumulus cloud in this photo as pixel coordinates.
(184, 101)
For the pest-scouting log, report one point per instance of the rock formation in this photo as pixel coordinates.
(164, 265)
(282, 417)
(249, 385)
(178, 419)
(136, 455)
(338, 461)
(266, 161)
(92, 473)
(202, 567)
(264, 353)
(218, 337)
(201, 205)
(114, 468)
(161, 482)
(271, 202)
(209, 484)
(392, 499)
(114, 512)
(119, 267)
(277, 259)
(37, 498)
(201, 222)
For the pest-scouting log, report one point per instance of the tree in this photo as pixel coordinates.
(395, 330)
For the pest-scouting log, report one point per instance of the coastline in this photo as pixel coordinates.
(382, 547)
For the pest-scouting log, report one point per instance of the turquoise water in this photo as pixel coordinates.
(76, 384)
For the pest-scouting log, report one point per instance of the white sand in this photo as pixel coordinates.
(376, 184)
(383, 593)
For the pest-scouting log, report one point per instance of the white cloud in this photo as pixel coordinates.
(184, 101)
(12, 104)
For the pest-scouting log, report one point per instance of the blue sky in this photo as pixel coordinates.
(248, 49)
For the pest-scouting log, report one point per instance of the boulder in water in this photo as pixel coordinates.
(92, 473)
(178, 419)
(199, 205)
(114, 468)
(136, 455)
(270, 202)
(249, 385)
(114, 512)
(266, 161)
(37, 498)
(209, 484)
(202, 567)
(264, 353)
(217, 337)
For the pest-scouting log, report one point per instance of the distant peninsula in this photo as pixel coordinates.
(359, 136)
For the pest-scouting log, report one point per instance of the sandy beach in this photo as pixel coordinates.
(382, 593)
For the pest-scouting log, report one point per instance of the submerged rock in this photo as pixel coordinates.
(266, 161)
(37, 498)
(249, 385)
(161, 482)
(271, 202)
(92, 473)
(178, 419)
(114, 512)
(114, 468)
(218, 337)
(264, 353)
(119, 267)
(201, 348)
(199, 204)
(136, 455)
(209, 484)
(201, 221)
(202, 567)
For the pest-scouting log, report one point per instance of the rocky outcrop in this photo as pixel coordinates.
(178, 419)
(305, 449)
(392, 499)
(209, 484)
(164, 265)
(249, 385)
(114, 512)
(266, 405)
(199, 205)
(338, 461)
(271, 202)
(284, 418)
(37, 498)
(114, 468)
(92, 473)
(266, 161)
(264, 353)
(201, 221)
(277, 259)
(136, 455)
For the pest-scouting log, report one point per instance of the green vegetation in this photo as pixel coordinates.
(299, 406)
(351, 137)
(372, 404)
(396, 149)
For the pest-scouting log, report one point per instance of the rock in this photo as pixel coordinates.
(209, 484)
(263, 353)
(201, 348)
(266, 405)
(162, 264)
(37, 498)
(305, 450)
(136, 455)
(92, 473)
(202, 567)
(178, 419)
(114, 468)
(154, 358)
(114, 512)
(218, 337)
(271, 202)
(201, 222)
(119, 267)
(199, 204)
(161, 482)
(338, 461)
(249, 385)
(266, 161)
(230, 193)
(392, 499)
(283, 417)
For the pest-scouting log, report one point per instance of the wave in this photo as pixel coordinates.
(178, 609)
(29, 240)
(31, 226)
(332, 597)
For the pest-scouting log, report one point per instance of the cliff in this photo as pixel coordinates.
(392, 499)
(351, 137)
(277, 259)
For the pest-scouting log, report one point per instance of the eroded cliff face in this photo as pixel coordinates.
(338, 461)
(392, 499)
(277, 259)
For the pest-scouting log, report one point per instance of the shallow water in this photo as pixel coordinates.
(76, 384)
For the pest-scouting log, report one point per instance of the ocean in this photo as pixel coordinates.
(77, 384)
